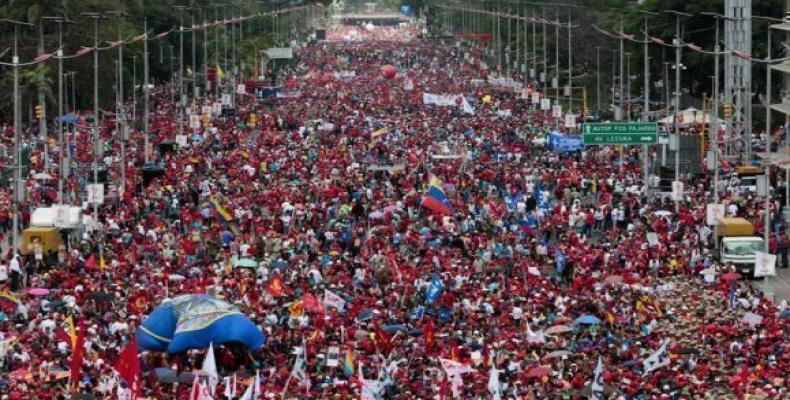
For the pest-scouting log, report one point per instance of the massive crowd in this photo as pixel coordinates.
(543, 267)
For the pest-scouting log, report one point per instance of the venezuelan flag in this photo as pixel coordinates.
(435, 198)
(348, 363)
(223, 213)
(7, 297)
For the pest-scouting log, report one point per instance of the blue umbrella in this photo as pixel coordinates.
(391, 329)
(69, 118)
(785, 314)
(588, 320)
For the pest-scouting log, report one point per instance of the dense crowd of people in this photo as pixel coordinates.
(543, 267)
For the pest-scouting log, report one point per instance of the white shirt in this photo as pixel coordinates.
(14, 265)
(3, 272)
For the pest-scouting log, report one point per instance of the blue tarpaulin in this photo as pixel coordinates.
(195, 321)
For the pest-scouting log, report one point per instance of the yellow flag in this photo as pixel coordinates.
(296, 309)
(220, 72)
(72, 331)
(102, 264)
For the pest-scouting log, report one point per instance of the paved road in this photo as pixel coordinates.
(776, 287)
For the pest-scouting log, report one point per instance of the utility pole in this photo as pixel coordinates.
(622, 91)
(181, 99)
(598, 78)
(61, 148)
(42, 100)
(96, 125)
(678, 46)
(146, 94)
(120, 111)
(19, 190)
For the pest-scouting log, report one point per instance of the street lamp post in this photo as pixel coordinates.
(96, 127)
(61, 165)
(18, 189)
(678, 46)
(120, 110)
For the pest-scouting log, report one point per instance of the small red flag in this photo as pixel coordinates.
(128, 367)
(75, 365)
(275, 286)
(429, 334)
(382, 340)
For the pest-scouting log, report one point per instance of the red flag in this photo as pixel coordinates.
(382, 340)
(91, 263)
(275, 286)
(138, 303)
(128, 367)
(429, 334)
(62, 336)
(455, 352)
(76, 357)
(312, 304)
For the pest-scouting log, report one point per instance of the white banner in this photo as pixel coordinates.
(536, 97)
(205, 110)
(279, 53)
(216, 108)
(181, 140)
(715, 212)
(764, 264)
(677, 190)
(241, 89)
(570, 120)
(225, 100)
(95, 193)
(556, 111)
(194, 121)
(545, 104)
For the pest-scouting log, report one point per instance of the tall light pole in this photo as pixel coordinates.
(181, 99)
(146, 96)
(646, 111)
(96, 127)
(598, 78)
(678, 46)
(18, 189)
(714, 115)
(120, 111)
(61, 163)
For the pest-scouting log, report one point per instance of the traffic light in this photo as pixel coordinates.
(39, 111)
(728, 110)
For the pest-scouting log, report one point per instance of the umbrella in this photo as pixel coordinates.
(614, 279)
(100, 297)
(391, 329)
(21, 375)
(166, 375)
(41, 176)
(245, 263)
(587, 391)
(69, 118)
(558, 354)
(731, 276)
(708, 271)
(588, 320)
(538, 372)
(662, 213)
(176, 277)
(687, 350)
(785, 314)
(558, 329)
(36, 291)
(186, 377)
(752, 319)
(83, 396)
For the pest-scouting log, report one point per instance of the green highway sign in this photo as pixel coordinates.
(620, 133)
